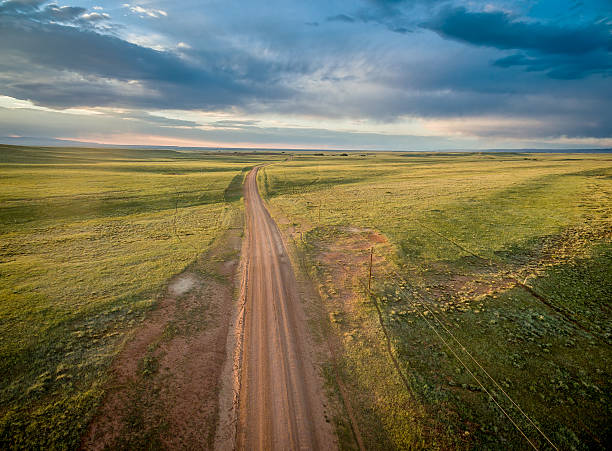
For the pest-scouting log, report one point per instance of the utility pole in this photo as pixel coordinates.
(370, 276)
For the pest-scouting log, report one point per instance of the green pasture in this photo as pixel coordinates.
(88, 238)
(509, 254)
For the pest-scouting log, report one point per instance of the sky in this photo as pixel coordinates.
(321, 74)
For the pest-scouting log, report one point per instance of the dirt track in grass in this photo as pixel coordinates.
(282, 405)
(163, 392)
(168, 386)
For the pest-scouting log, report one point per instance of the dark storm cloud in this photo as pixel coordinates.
(497, 29)
(561, 67)
(388, 13)
(573, 115)
(51, 13)
(347, 66)
(395, 15)
(563, 52)
(26, 122)
(62, 13)
(87, 52)
(146, 118)
(341, 18)
(20, 6)
(30, 37)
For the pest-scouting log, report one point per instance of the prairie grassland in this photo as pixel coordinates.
(503, 261)
(87, 239)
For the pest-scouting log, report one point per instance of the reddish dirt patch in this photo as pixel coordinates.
(472, 286)
(163, 391)
(346, 261)
(375, 237)
(444, 283)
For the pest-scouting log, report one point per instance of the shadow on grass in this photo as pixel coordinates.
(233, 191)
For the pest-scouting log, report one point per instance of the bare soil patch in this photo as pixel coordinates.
(182, 284)
(163, 391)
(342, 269)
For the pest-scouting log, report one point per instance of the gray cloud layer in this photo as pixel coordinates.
(454, 63)
(166, 79)
(497, 29)
(561, 51)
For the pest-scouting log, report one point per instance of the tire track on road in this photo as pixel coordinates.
(281, 397)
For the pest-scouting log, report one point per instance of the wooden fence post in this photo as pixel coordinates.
(370, 276)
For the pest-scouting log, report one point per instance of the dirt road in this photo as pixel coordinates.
(281, 400)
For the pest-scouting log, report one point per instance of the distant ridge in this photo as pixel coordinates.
(55, 142)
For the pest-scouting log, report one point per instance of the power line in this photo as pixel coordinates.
(396, 363)
(490, 377)
(424, 303)
(468, 369)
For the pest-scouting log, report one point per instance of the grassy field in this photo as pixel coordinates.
(87, 240)
(481, 262)
(492, 280)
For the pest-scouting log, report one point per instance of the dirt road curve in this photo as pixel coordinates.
(281, 401)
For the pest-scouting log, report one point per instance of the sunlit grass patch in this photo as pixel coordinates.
(87, 240)
(509, 252)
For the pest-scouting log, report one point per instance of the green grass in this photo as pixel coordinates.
(89, 237)
(87, 240)
(464, 232)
